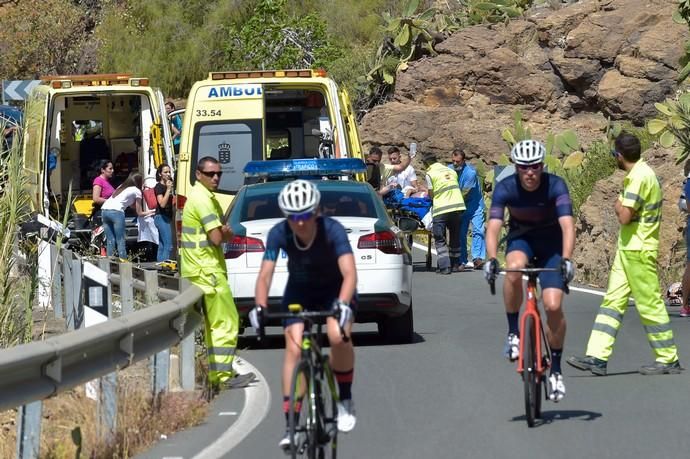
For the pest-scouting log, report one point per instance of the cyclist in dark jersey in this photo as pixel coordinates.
(322, 275)
(541, 228)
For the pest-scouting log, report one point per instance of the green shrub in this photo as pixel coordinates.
(596, 165)
(17, 284)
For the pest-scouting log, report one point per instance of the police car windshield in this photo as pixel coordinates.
(259, 205)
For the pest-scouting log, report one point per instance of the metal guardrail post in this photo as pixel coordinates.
(29, 430)
(69, 292)
(187, 354)
(107, 394)
(107, 407)
(160, 362)
(126, 288)
(56, 286)
(77, 305)
(45, 275)
(104, 264)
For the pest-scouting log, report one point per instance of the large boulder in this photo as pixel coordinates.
(614, 59)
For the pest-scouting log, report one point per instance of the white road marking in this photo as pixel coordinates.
(227, 413)
(256, 404)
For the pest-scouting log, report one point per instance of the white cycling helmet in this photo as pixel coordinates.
(527, 152)
(298, 197)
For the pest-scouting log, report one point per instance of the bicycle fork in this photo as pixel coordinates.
(543, 362)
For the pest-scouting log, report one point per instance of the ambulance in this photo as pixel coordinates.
(73, 122)
(241, 116)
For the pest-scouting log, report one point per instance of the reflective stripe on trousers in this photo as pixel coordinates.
(221, 325)
(640, 267)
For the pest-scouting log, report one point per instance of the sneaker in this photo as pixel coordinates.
(346, 416)
(512, 347)
(469, 265)
(685, 311)
(478, 263)
(237, 382)
(660, 368)
(556, 387)
(285, 444)
(593, 364)
(444, 271)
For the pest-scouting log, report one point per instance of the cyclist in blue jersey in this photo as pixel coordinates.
(541, 228)
(322, 274)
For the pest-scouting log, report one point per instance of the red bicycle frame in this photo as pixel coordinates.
(531, 309)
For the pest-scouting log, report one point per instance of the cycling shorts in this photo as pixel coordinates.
(311, 300)
(545, 253)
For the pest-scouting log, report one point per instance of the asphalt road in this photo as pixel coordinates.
(452, 395)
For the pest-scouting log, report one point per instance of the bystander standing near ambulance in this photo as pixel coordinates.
(203, 264)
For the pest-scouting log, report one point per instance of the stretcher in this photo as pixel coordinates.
(396, 212)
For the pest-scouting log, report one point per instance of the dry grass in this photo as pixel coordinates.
(70, 426)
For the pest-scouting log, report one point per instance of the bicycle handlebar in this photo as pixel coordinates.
(302, 315)
(530, 272)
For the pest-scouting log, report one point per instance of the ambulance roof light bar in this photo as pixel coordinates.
(301, 73)
(307, 167)
(104, 79)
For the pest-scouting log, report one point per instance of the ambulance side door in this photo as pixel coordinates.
(162, 135)
(34, 148)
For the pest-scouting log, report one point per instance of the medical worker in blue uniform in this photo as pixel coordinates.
(474, 215)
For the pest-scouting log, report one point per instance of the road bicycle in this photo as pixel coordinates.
(313, 428)
(534, 358)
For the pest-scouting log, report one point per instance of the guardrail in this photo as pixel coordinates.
(38, 370)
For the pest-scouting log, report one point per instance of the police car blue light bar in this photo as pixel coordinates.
(318, 167)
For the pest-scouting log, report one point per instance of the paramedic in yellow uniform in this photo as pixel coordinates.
(634, 270)
(203, 263)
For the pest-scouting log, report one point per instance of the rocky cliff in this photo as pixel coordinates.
(565, 69)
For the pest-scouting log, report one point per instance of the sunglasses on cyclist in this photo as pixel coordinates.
(210, 174)
(300, 217)
(534, 167)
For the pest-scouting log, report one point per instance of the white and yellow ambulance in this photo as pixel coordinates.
(74, 121)
(237, 117)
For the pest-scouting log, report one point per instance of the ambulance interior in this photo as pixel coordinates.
(86, 129)
(296, 122)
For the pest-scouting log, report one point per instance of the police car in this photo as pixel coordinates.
(383, 258)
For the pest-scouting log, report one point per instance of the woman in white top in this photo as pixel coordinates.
(113, 213)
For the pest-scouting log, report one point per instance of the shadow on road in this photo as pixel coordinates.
(547, 417)
(617, 373)
(420, 267)
(277, 341)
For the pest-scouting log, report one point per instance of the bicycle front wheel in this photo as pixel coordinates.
(302, 419)
(532, 385)
(328, 414)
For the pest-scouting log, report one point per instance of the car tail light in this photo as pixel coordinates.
(385, 241)
(179, 203)
(240, 245)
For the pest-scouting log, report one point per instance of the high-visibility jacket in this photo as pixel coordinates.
(447, 194)
(641, 192)
(198, 255)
